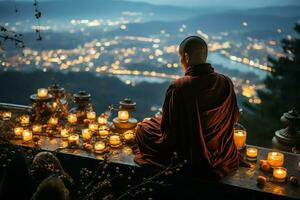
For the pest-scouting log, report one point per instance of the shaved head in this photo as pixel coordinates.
(193, 50)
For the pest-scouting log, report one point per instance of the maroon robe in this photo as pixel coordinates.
(198, 117)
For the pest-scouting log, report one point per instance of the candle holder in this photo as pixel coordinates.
(37, 128)
(239, 136)
(103, 120)
(86, 135)
(251, 154)
(115, 141)
(129, 136)
(41, 107)
(275, 159)
(73, 140)
(104, 132)
(60, 103)
(64, 133)
(124, 121)
(26, 135)
(100, 147)
(18, 132)
(24, 120)
(83, 101)
(6, 116)
(279, 174)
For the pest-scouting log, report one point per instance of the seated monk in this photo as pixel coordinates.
(197, 120)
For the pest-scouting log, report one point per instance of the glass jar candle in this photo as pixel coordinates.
(275, 159)
(93, 127)
(6, 116)
(86, 134)
(251, 153)
(26, 135)
(99, 147)
(53, 121)
(123, 115)
(102, 120)
(279, 174)
(24, 120)
(64, 133)
(37, 128)
(239, 137)
(114, 141)
(91, 115)
(72, 118)
(42, 92)
(18, 131)
(73, 140)
(129, 135)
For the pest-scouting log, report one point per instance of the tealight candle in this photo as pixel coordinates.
(6, 116)
(129, 135)
(73, 140)
(26, 135)
(240, 138)
(24, 119)
(91, 115)
(72, 118)
(18, 131)
(103, 132)
(53, 121)
(123, 115)
(93, 126)
(102, 120)
(36, 128)
(275, 159)
(279, 173)
(42, 92)
(251, 154)
(99, 147)
(86, 134)
(114, 141)
(64, 133)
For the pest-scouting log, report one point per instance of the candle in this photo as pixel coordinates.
(127, 150)
(103, 132)
(102, 120)
(129, 135)
(42, 92)
(36, 128)
(240, 138)
(91, 115)
(26, 135)
(251, 154)
(54, 104)
(99, 147)
(24, 120)
(275, 159)
(93, 126)
(279, 173)
(18, 131)
(123, 115)
(73, 140)
(114, 141)
(72, 118)
(86, 134)
(6, 116)
(64, 133)
(53, 121)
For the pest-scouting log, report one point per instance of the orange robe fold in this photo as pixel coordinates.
(198, 117)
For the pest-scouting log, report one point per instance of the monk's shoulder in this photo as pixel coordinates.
(180, 82)
(224, 78)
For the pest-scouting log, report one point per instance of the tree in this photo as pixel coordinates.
(281, 94)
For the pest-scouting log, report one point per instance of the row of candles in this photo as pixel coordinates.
(274, 159)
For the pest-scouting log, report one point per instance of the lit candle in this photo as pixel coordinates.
(251, 153)
(103, 132)
(102, 120)
(24, 120)
(26, 135)
(86, 134)
(114, 141)
(6, 116)
(127, 150)
(123, 115)
(99, 147)
(275, 159)
(72, 118)
(73, 140)
(93, 126)
(42, 92)
(91, 115)
(18, 131)
(129, 135)
(279, 173)
(64, 133)
(54, 104)
(36, 128)
(240, 138)
(53, 121)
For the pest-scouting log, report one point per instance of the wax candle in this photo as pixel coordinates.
(103, 132)
(42, 92)
(129, 135)
(93, 126)
(114, 141)
(18, 131)
(53, 121)
(24, 119)
(123, 115)
(26, 135)
(240, 138)
(280, 173)
(275, 159)
(91, 115)
(72, 118)
(36, 128)
(86, 134)
(102, 120)
(73, 140)
(6, 116)
(251, 153)
(127, 150)
(99, 147)
(64, 133)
